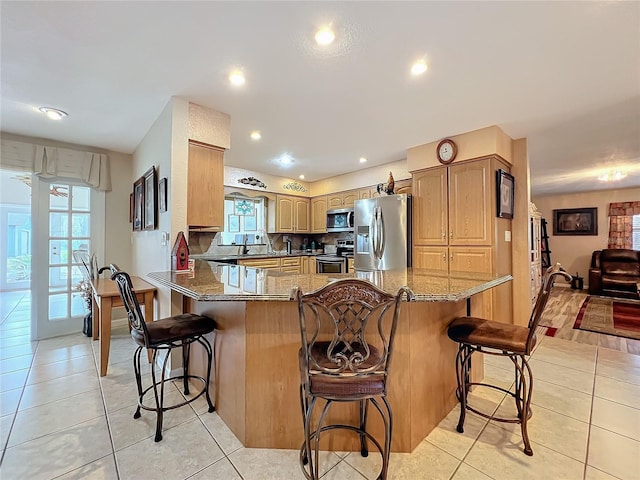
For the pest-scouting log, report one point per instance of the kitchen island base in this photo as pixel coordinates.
(257, 375)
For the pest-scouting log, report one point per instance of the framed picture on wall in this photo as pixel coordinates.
(505, 194)
(575, 221)
(138, 203)
(150, 198)
(162, 194)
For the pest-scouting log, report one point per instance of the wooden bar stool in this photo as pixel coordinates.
(178, 331)
(341, 360)
(512, 341)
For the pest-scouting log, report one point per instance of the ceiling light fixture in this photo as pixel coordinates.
(53, 113)
(301, 177)
(612, 176)
(325, 36)
(419, 67)
(256, 135)
(363, 160)
(237, 78)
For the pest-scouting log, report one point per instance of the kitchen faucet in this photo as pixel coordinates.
(243, 249)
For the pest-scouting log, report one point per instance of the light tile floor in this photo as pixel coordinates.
(59, 419)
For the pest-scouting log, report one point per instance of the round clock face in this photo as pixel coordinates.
(446, 151)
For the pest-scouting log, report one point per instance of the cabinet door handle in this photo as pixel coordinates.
(451, 257)
(444, 236)
(444, 257)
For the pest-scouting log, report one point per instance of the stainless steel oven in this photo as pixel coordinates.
(331, 264)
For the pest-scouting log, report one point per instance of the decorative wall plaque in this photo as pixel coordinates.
(294, 186)
(253, 181)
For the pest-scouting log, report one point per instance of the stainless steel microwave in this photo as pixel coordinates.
(340, 220)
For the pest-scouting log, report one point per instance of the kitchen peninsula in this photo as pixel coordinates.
(258, 338)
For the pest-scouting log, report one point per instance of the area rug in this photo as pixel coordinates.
(611, 316)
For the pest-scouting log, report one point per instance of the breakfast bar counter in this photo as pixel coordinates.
(257, 379)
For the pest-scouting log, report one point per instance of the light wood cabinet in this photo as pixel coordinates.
(432, 258)
(292, 214)
(351, 264)
(403, 186)
(205, 192)
(342, 199)
(455, 228)
(291, 264)
(470, 203)
(319, 214)
(308, 264)
(368, 192)
(270, 263)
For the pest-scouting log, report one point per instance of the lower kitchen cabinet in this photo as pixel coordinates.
(453, 259)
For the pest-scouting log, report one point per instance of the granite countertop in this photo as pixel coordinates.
(248, 256)
(212, 281)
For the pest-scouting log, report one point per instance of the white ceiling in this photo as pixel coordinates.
(566, 75)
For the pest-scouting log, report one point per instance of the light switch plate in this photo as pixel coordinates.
(507, 235)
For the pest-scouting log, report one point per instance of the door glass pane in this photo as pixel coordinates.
(80, 224)
(58, 197)
(80, 199)
(58, 277)
(58, 251)
(78, 305)
(58, 224)
(76, 275)
(58, 306)
(81, 244)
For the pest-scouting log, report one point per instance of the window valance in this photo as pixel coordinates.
(624, 209)
(49, 162)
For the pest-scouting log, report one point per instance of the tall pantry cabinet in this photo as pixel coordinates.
(205, 195)
(455, 227)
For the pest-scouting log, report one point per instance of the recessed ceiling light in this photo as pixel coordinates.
(53, 113)
(363, 160)
(256, 135)
(237, 78)
(419, 67)
(325, 36)
(301, 177)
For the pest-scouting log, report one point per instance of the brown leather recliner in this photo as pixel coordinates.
(615, 273)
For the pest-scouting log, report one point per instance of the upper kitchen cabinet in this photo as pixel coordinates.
(342, 199)
(292, 214)
(319, 214)
(454, 205)
(403, 186)
(205, 192)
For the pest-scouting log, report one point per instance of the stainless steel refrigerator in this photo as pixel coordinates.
(382, 228)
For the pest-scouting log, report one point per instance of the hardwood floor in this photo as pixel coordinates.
(561, 313)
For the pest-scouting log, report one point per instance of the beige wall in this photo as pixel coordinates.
(574, 252)
(364, 177)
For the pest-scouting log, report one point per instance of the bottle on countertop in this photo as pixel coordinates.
(313, 245)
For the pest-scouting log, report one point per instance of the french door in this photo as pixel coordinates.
(67, 216)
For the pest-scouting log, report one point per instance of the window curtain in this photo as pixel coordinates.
(620, 223)
(50, 162)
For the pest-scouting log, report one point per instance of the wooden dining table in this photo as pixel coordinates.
(106, 297)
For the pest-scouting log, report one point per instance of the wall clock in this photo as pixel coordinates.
(446, 151)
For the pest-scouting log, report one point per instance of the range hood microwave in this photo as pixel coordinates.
(340, 220)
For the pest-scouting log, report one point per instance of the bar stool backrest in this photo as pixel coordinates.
(347, 328)
(541, 302)
(130, 302)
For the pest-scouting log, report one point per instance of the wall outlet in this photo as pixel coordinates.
(507, 235)
(285, 238)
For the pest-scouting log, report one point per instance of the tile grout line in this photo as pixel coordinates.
(15, 412)
(593, 394)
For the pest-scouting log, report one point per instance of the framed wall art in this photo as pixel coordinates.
(150, 199)
(505, 187)
(162, 195)
(138, 203)
(575, 221)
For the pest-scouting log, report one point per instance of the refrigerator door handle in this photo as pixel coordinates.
(373, 233)
(381, 243)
